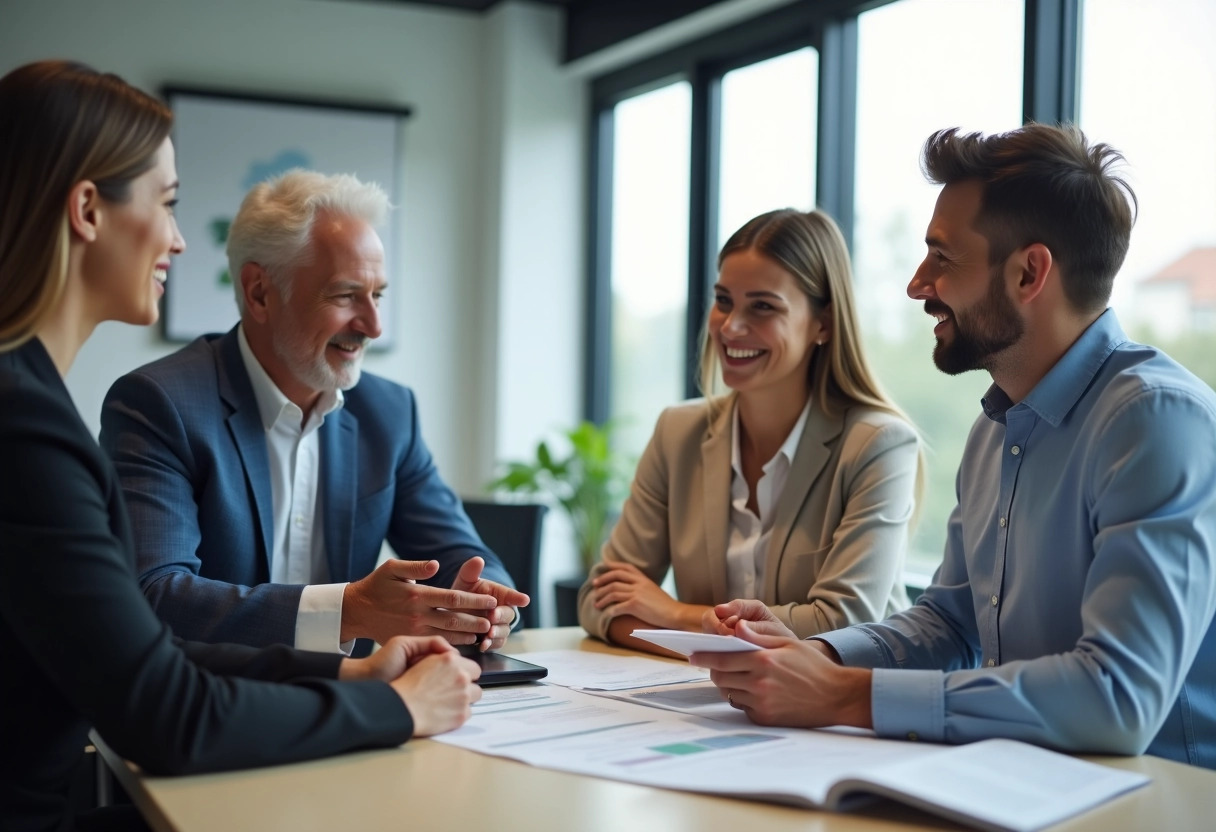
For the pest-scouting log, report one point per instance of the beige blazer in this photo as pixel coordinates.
(836, 554)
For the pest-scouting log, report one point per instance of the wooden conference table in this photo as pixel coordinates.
(425, 785)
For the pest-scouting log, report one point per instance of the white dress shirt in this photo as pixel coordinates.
(747, 546)
(298, 542)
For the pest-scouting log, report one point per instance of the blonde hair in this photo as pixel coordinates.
(61, 123)
(811, 248)
(273, 227)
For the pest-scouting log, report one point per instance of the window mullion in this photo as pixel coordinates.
(704, 159)
(837, 122)
(597, 403)
(1050, 66)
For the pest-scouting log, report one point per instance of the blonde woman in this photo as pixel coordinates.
(797, 486)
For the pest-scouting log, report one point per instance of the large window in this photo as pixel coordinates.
(768, 138)
(905, 91)
(649, 257)
(1140, 59)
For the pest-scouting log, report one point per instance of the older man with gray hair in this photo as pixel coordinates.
(263, 471)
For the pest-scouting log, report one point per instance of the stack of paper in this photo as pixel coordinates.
(997, 784)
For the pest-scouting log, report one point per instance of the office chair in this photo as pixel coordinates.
(512, 531)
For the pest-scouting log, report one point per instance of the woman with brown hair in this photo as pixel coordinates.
(87, 187)
(797, 486)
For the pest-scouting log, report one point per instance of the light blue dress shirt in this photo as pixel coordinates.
(1073, 607)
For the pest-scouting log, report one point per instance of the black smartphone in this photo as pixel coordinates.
(497, 669)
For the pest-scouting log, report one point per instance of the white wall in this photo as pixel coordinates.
(490, 223)
(535, 241)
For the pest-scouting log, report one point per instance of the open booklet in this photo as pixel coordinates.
(996, 784)
(993, 784)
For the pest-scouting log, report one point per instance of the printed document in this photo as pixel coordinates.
(997, 784)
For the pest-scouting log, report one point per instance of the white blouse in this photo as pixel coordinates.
(747, 545)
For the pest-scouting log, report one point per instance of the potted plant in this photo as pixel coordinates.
(589, 484)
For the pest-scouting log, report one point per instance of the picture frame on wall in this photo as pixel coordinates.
(227, 142)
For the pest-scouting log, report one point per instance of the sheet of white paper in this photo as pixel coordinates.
(696, 698)
(603, 671)
(688, 643)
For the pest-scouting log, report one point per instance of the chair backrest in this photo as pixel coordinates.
(512, 531)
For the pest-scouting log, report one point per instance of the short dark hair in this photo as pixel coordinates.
(1044, 184)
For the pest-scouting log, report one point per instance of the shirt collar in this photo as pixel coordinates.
(271, 401)
(1065, 383)
(788, 448)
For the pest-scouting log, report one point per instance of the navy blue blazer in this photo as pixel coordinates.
(187, 439)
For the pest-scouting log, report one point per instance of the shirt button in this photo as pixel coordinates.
(913, 736)
(299, 521)
(992, 662)
(1015, 450)
(994, 600)
(1002, 522)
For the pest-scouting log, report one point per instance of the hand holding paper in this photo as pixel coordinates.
(789, 682)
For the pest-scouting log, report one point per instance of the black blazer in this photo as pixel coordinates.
(80, 647)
